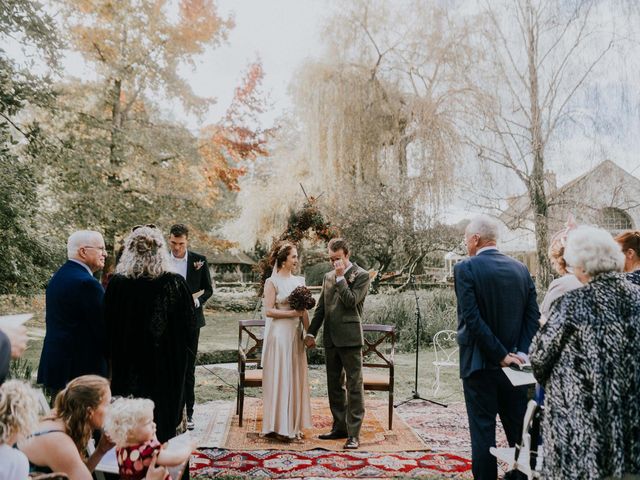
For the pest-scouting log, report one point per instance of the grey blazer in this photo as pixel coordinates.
(340, 308)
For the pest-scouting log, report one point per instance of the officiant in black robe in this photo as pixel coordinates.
(150, 316)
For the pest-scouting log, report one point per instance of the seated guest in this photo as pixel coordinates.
(586, 358)
(18, 418)
(59, 441)
(74, 340)
(129, 423)
(13, 342)
(150, 319)
(630, 243)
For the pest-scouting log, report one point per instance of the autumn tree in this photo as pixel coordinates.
(26, 252)
(125, 161)
(537, 54)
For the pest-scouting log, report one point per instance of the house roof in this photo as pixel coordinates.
(520, 209)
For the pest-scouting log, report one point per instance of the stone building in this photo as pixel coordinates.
(607, 196)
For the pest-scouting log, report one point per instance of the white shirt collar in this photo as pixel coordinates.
(83, 264)
(176, 259)
(484, 249)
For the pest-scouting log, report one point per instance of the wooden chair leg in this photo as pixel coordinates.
(390, 409)
(238, 400)
(240, 405)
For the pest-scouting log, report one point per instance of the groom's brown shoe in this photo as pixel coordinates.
(352, 443)
(332, 435)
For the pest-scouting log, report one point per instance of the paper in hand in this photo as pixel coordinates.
(14, 320)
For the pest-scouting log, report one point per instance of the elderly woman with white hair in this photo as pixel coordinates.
(586, 357)
(149, 314)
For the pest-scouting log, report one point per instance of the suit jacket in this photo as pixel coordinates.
(74, 343)
(340, 308)
(497, 310)
(199, 279)
(5, 356)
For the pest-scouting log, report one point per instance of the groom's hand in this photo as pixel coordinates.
(339, 266)
(310, 342)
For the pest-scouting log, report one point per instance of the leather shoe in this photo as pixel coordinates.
(332, 435)
(352, 443)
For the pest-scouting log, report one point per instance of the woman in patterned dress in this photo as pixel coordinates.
(629, 241)
(586, 358)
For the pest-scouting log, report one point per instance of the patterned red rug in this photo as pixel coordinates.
(210, 463)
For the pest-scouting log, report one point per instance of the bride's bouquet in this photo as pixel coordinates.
(301, 299)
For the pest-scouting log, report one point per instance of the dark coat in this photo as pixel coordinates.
(149, 322)
(497, 310)
(5, 356)
(74, 343)
(199, 278)
(340, 308)
(586, 358)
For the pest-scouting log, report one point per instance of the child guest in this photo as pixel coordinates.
(129, 423)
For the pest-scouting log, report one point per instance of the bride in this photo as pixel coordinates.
(285, 386)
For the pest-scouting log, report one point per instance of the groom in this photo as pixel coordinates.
(340, 309)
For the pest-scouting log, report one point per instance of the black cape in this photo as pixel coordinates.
(149, 322)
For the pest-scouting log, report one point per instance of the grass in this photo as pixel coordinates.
(221, 333)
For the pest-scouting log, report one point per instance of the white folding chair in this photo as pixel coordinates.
(445, 356)
(519, 457)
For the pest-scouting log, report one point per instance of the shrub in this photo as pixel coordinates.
(314, 274)
(437, 306)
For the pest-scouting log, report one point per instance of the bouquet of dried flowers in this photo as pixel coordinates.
(301, 299)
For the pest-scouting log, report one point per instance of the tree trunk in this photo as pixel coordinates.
(115, 144)
(537, 195)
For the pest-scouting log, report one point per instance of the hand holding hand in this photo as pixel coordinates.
(17, 338)
(104, 444)
(155, 473)
(310, 342)
(511, 359)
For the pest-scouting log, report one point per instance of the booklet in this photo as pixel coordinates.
(14, 320)
(519, 377)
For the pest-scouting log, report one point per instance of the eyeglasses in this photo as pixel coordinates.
(569, 269)
(150, 225)
(102, 249)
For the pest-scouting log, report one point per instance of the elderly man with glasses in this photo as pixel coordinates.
(74, 343)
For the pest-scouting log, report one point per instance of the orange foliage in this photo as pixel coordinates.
(229, 144)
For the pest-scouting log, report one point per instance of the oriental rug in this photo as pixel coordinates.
(374, 436)
(211, 463)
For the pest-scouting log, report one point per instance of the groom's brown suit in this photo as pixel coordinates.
(340, 309)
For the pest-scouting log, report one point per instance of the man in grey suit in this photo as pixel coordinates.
(340, 310)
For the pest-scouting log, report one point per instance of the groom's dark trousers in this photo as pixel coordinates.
(497, 314)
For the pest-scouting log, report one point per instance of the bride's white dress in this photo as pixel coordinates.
(285, 385)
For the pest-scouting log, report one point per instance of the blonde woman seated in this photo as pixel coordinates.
(59, 441)
(18, 418)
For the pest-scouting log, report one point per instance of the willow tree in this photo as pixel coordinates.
(380, 110)
(537, 55)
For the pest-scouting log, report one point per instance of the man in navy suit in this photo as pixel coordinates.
(497, 318)
(194, 269)
(74, 343)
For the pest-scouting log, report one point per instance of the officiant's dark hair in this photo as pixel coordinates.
(179, 230)
(336, 244)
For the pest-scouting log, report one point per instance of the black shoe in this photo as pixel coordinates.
(332, 435)
(352, 443)
(190, 424)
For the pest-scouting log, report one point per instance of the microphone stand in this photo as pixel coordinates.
(416, 394)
